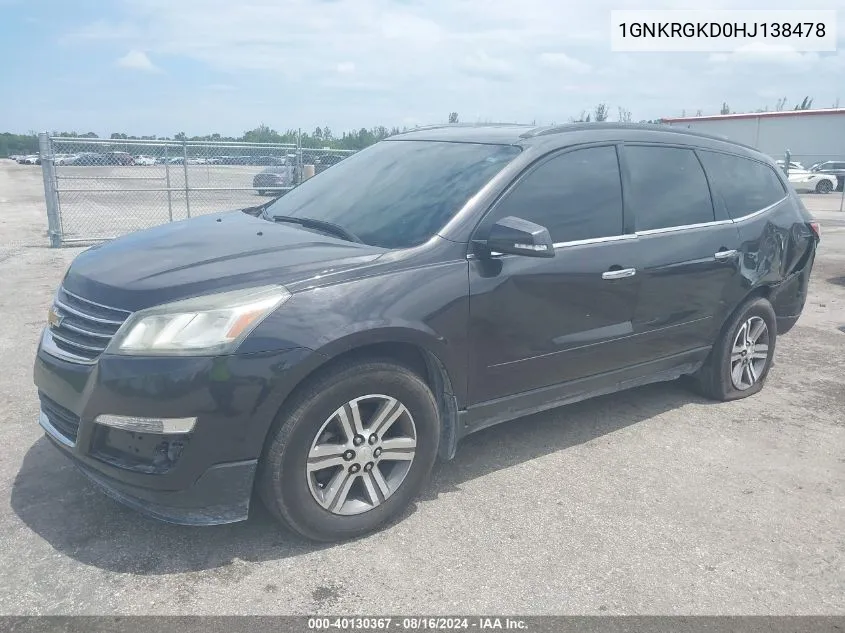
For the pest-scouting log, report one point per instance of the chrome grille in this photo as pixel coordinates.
(84, 328)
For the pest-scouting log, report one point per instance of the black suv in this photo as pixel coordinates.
(325, 347)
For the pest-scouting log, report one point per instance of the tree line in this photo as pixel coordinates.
(11, 144)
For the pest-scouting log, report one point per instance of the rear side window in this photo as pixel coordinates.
(668, 187)
(743, 186)
(576, 195)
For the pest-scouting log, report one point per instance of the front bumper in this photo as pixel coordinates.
(198, 478)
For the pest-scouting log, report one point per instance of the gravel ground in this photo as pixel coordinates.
(651, 501)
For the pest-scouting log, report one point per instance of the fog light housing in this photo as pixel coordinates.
(161, 426)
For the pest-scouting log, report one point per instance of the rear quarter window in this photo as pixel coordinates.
(741, 185)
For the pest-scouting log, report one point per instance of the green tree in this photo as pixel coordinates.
(806, 104)
(600, 112)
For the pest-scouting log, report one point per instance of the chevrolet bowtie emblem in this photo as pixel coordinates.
(54, 320)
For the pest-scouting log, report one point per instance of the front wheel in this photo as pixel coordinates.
(740, 360)
(824, 186)
(350, 451)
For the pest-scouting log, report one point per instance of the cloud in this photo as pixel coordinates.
(480, 64)
(563, 62)
(372, 62)
(137, 60)
(764, 53)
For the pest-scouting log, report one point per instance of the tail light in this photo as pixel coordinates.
(817, 229)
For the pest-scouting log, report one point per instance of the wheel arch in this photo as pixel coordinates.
(423, 354)
(764, 291)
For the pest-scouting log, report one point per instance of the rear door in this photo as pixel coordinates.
(687, 250)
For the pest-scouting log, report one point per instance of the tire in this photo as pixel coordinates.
(824, 186)
(261, 192)
(714, 380)
(290, 490)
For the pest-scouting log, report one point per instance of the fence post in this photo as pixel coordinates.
(167, 181)
(185, 167)
(787, 157)
(51, 194)
(299, 156)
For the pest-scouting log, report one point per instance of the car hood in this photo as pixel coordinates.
(207, 254)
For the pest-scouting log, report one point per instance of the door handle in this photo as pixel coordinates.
(619, 274)
(723, 255)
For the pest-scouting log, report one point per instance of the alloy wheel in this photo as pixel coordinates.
(750, 353)
(361, 454)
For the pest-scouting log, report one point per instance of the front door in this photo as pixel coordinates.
(536, 322)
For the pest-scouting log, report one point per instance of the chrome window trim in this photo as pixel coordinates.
(684, 227)
(557, 245)
(596, 240)
(754, 214)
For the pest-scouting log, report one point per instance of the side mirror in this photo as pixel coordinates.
(516, 236)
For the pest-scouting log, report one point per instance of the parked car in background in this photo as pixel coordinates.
(268, 160)
(144, 160)
(321, 350)
(118, 158)
(64, 159)
(88, 159)
(324, 161)
(30, 159)
(792, 165)
(812, 181)
(833, 167)
(270, 179)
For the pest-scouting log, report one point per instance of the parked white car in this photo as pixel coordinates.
(812, 181)
(65, 159)
(145, 160)
(793, 166)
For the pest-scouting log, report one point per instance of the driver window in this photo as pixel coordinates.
(576, 195)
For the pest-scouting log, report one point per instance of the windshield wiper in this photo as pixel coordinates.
(320, 225)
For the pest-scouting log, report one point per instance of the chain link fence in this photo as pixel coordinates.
(98, 189)
(818, 175)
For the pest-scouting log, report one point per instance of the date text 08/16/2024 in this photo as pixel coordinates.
(418, 623)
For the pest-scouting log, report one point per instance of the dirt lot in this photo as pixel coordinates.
(650, 501)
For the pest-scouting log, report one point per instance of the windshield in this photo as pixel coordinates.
(396, 194)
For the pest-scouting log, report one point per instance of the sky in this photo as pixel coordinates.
(204, 66)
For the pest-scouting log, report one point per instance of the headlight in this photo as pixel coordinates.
(209, 324)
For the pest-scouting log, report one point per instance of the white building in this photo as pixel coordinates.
(811, 136)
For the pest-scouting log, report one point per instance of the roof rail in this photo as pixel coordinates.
(609, 125)
(438, 126)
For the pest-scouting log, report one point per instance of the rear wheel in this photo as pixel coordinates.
(350, 451)
(824, 186)
(740, 360)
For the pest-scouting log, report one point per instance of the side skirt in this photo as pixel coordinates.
(492, 412)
